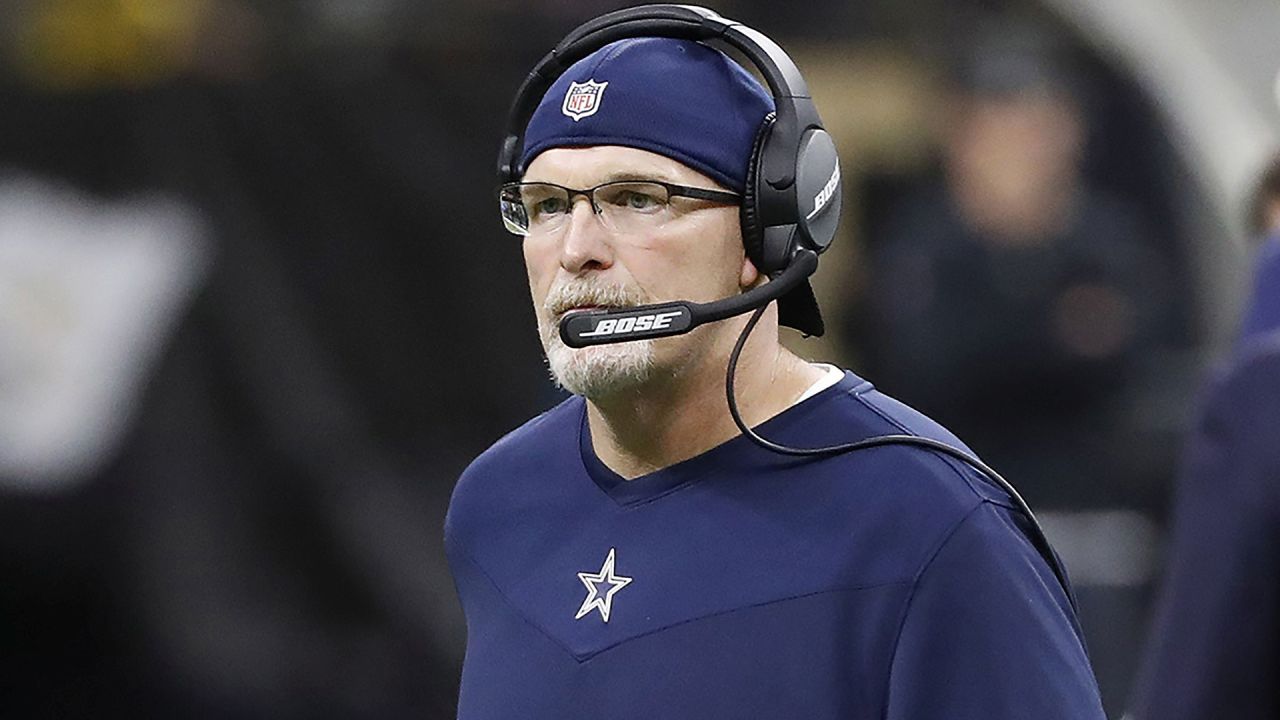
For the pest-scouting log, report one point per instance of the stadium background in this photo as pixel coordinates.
(257, 312)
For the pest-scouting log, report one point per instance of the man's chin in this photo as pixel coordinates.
(601, 370)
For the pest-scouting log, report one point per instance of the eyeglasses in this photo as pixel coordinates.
(623, 206)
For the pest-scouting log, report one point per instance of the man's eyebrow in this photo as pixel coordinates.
(624, 175)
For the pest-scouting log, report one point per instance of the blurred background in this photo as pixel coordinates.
(257, 310)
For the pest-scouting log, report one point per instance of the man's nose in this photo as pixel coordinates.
(586, 243)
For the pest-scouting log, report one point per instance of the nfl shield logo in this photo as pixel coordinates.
(583, 99)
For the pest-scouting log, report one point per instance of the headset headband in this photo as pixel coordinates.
(793, 105)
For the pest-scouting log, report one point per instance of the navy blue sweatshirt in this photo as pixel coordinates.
(886, 583)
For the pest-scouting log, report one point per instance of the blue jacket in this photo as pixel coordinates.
(1214, 650)
(886, 584)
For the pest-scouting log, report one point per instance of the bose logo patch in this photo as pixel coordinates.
(640, 323)
(583, 99)
(824, 195)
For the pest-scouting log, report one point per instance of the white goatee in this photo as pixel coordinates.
(600, 370)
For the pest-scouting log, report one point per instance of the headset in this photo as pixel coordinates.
(789, 213)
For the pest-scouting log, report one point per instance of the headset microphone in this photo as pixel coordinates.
(580, 328)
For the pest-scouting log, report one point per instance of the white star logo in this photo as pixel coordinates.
(596, 599)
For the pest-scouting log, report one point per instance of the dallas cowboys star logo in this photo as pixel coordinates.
(601, 587)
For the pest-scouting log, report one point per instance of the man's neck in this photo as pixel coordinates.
(673, 419)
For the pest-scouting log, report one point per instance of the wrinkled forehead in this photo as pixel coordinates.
(583, 167)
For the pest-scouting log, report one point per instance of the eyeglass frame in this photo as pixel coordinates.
(673, 190)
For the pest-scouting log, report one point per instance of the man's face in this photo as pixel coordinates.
(695, 254)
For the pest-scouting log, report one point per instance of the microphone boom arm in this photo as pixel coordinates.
(581, 328)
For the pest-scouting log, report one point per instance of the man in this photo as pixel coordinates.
(629, 554)
(1214, 650)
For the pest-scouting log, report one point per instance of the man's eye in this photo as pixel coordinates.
(548, 206)
(640, 201)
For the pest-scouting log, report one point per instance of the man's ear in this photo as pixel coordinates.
(750, 275)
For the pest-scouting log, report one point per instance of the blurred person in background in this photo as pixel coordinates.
(1214, 648)
(1008, 295)
(633, 548)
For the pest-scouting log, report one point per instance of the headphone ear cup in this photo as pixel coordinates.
(752, 230)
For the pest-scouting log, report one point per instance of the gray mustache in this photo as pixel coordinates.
(568, 297)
